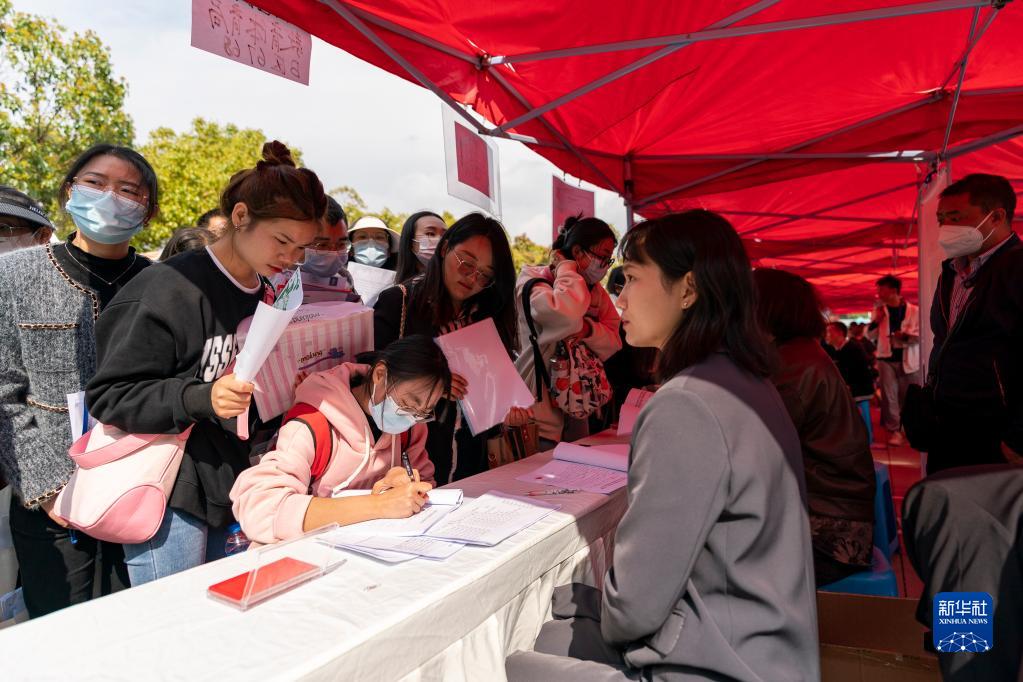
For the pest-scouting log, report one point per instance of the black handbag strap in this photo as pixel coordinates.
(543, 378)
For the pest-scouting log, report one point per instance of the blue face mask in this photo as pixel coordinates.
(323, 263)
(105, 217)
(390, 418)
(370, 253)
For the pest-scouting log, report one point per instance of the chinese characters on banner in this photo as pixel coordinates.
(472, 166)
(569, 201)
(242, 33)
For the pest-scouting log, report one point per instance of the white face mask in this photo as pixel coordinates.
(427, 247)
(962, 240)
(323, 263)
(370, 252)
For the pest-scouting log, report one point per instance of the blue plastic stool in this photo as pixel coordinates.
(886, 528)
(880, 581)
(864, 407)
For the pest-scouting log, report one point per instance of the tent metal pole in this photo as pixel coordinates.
(930, 99)
(410, 34)
(370, 35)
(962, 75)
(880, 157)
(992, 91)
(720, 33)
(971, 42)
(625, 70)
(810, 216)
(568, 146)
(630, 218)
(988, 141)
(834, 207)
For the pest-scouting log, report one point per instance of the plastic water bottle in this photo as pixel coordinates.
(236, 542)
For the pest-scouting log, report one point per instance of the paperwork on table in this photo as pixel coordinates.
(440, 530)
(595, 469)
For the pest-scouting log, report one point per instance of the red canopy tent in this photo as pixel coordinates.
(769, 106)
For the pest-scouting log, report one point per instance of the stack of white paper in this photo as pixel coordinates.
(594, 469)
(396, 540)
(490, 519)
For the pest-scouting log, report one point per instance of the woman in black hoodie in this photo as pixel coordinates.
(166, 341)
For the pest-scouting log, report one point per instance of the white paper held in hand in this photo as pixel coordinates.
(493, 384)
(490, 519)
(268, 324)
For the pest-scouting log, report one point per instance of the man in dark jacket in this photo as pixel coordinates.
(852, 363)
(976, 365)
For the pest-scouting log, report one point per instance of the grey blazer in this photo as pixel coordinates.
(47, 350)
(713, 568)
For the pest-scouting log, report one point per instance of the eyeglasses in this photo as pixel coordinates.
(128, 190)
(603, 261)
(340, 245)
(11, 231)
(420, 417)
(468, 269)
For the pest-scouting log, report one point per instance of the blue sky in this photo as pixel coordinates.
(355, 124)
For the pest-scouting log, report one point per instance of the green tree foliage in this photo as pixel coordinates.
(355, 207)
(527, 252)
(58, 96)
(193, 168)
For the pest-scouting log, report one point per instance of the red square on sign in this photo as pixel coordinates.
(472, 157)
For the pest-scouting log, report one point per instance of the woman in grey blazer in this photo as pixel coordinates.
(712, 576)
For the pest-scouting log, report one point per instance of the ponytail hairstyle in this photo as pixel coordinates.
(415, 357)
(275, 188)
(585, 233)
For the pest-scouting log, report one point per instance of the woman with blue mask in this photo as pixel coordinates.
(50, 299)
(568, 304)
(374, 244)
(372, 418)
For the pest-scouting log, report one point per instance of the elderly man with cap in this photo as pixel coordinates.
(23, 223)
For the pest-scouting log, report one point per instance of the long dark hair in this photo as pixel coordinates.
(412, 358)
(408, 263)
(585, 233)
(124, 154)
(496, 301)
(722, 317)
(788, 307)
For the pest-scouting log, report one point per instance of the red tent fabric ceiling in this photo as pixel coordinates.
(829, 89)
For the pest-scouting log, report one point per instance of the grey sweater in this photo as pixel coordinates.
(713, 572)
(47, 350)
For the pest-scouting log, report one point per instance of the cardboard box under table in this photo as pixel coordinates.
(872, 639)
(320, 336)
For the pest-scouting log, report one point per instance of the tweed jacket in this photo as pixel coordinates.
(47, 350)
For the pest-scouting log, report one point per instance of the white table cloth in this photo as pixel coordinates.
(420, 620)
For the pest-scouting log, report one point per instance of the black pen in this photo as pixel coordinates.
(407, 464)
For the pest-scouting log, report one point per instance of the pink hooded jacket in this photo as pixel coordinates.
(271, 498)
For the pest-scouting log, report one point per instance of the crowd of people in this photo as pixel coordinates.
(751, 479)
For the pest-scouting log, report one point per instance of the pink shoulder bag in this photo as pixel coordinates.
(121, 483)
